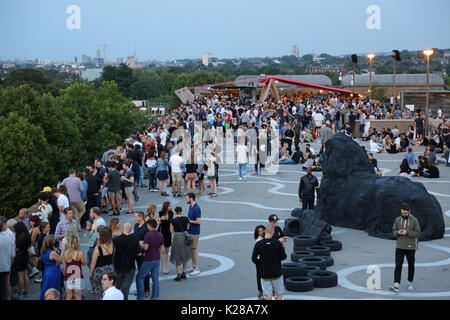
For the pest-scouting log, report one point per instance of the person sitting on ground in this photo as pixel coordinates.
(373, 145)
(432, 171)
(374, 162)
(430, 153)
(392, 147)
(295, 159)
(410, 156)
(311, 163)
(423, 164)
(405, 170)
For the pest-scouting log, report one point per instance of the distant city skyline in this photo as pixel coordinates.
(175, 30)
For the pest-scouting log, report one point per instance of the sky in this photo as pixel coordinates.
(177, 29)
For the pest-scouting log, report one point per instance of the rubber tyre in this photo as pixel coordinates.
(296, 248)
(299, 284)
(334, 245)
(324, 237)
(304, 241)
(289, 269)
(330, 261)
(314, 261)
(297, 254)
(297, 213)
(324, 278)
(312, 268)
(292, 227)
(319, 250)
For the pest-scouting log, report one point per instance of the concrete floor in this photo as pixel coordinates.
(226, 242)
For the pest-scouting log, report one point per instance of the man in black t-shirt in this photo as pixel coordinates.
(278, 233)
(267, 255)
(126, 247)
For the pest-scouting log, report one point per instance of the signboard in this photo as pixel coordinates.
(410, 107)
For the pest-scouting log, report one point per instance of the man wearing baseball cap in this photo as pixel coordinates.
(278, 233)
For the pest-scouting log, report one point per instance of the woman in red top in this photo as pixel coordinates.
(73, 274)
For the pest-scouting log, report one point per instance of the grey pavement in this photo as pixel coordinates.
(226, 242)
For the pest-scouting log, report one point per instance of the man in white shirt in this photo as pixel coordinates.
(241, 159)
(110, 292)
(163, 136)
(176, 163)
(318, 119)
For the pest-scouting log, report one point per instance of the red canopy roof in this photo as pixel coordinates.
(265, 81)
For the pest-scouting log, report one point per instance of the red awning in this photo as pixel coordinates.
(265, 81)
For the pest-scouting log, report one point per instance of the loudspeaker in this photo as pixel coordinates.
(354, 58)
(396, 55)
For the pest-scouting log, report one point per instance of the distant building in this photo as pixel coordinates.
(86, 59)
(312, 69)
(402, 82)
(9, 65)
(316, 58)
(91, 74)
(71, 69)
(295, 52)
(43, 62)
(119, 60)
(76, 60)
(205, 58)
(132, 62)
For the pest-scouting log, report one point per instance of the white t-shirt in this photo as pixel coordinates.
(63, 201)
(151, 163)
(112, 294)
(175, 162)
(318, 119)
(241, 151)
(163, 136)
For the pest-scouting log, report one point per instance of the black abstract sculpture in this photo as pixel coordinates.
(353, 196)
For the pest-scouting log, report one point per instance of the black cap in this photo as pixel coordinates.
(273, 217)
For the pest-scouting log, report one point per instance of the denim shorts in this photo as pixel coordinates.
(74, 284)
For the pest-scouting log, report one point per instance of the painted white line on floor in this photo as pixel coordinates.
(219, 235)
(237, 220)
(439, 194)
(252, 204)
(225, 265)
(344, 282)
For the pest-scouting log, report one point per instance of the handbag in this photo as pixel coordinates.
(187, 238)
(211, 170)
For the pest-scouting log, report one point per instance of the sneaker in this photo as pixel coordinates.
(183, 276)
(190, 270)
(244, 178)
(410, 287)
(260, 297)
(38, 280)
(240, 179)
(128, 212)
(394, 289)
(195, 273)
(34, 271)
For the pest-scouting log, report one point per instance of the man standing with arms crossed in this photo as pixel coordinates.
(407, 230)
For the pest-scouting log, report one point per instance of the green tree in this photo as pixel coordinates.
(378, 92)
(32, 77)
(24, 164)
(148, 85)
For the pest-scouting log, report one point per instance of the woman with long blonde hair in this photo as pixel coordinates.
(73, 260)
(150, 214)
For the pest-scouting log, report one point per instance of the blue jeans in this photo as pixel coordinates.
(242, 167)
(287, 162)
(146, 268)
(152, 178)
(141, 175)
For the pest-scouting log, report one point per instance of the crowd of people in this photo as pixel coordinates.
(182, 148)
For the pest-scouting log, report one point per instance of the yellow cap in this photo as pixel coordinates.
(47, 189)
